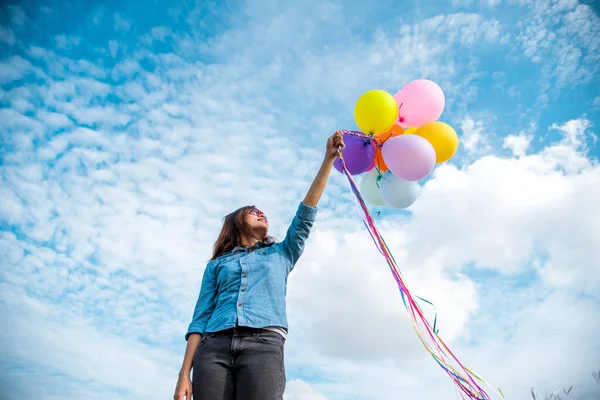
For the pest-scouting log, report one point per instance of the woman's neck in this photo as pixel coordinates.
(249, 241)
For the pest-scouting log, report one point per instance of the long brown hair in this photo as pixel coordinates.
(233, 230)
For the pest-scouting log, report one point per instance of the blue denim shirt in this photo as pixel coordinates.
(249, 286)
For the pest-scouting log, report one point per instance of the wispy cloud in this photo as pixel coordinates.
(16, 14)
(121, 23)
(65, 43)
(7, 36)
(563, 37)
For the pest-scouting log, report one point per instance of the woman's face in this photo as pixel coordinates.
(257, 221)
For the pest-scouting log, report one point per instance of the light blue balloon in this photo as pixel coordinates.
(398, 193)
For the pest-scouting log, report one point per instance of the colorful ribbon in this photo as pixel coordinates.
(463, 378)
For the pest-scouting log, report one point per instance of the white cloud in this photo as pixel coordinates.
(568, 30)
(66, 42)
(11, 208)
(121, 24)
(515, 347)
(63, 67)
(17, 15)
(13, 69)
(19, 124)
(346, 273)
(518, 144)
(414, 50)
(574, 132)
(106, 116)
(54, 120)
(7, 35)
(506, 211)
(113, 47)
(473, 136)
(19, 99)
(160, 33)
(78, 350)
(125, 69)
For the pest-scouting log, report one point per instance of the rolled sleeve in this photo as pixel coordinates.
(308, 213)
(206, 302)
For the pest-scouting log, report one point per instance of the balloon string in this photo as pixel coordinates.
(383, 141)
(463, 378)
(400, 119)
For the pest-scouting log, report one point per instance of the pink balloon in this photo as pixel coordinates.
(409, 157)
(420, 102)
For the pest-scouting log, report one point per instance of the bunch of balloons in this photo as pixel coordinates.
(399, 143)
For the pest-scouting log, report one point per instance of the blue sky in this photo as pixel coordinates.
(129, 130)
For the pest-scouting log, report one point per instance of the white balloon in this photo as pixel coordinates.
(369, 188)
(398, 193)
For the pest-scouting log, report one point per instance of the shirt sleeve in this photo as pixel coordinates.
(206, 302)
(298, 232)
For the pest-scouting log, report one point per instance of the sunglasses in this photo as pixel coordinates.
(257, 212)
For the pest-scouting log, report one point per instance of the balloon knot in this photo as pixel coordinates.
(401, 119)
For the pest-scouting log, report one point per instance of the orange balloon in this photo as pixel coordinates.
(395, 130)
(379, 163)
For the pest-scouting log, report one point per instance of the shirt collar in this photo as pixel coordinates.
(256, 246)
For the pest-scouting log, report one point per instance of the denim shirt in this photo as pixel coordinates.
(247, 286)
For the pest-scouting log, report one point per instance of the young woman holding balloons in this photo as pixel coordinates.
(235, 341)
(238, 330)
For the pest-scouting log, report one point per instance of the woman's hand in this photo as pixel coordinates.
(335, 141)
(316, 189)
(183, 388)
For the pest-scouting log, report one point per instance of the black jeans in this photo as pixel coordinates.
(239, 364)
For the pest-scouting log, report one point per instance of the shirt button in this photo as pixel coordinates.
(245, 275)
(264, 252)
(239, 304)
(243, 289)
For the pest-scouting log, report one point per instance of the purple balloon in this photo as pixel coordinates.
(409, 157)
(358, 154)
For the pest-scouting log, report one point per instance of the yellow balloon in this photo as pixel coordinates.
(442, 137)
(375, 111)
(410, 129)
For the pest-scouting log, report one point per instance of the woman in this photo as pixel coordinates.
(236, 338)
